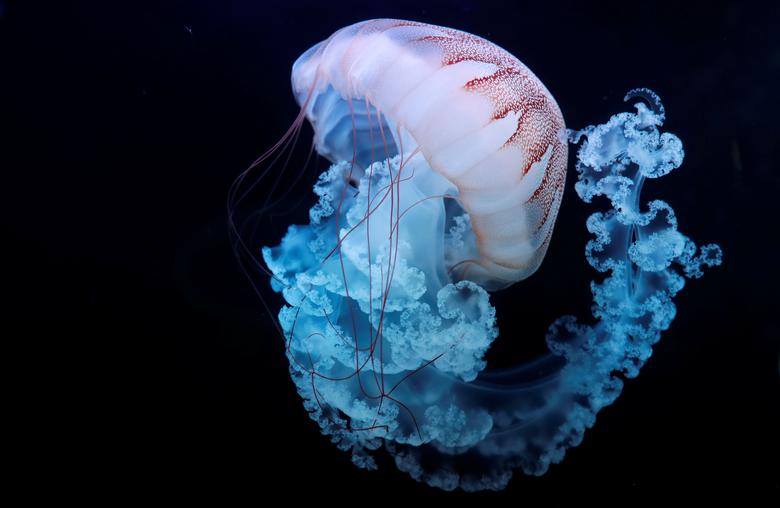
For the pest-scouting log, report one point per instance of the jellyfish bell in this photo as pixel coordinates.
(476, 115)
(448, 166)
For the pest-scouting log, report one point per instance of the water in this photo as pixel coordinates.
(126, 122)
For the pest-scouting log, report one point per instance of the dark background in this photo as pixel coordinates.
(145, 358)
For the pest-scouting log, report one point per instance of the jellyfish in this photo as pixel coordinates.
(448, 163)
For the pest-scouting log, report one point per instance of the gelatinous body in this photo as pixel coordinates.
(384, 329)
(475, 113)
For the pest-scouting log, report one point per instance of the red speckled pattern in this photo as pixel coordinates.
(513, 87)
